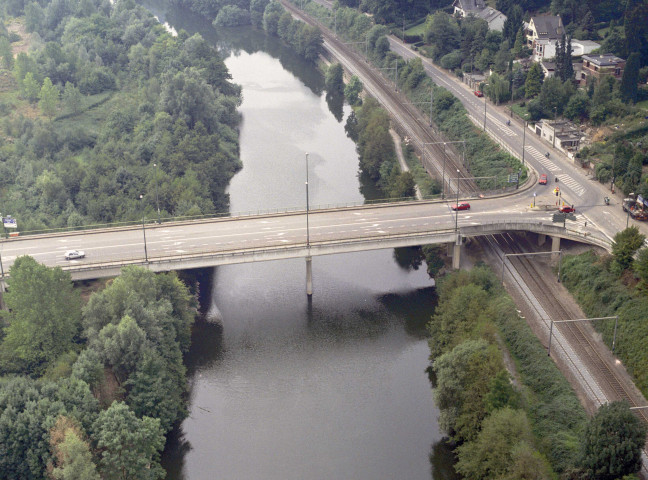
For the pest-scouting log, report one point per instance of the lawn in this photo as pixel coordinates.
(521, 111)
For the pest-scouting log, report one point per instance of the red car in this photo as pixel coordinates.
(479, 93)
(461, 206)
(543, 179)
(566, 209)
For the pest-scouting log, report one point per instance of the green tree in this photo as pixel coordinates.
(72, 452)
(578, 107)
(433, 259)
(612, 443)
(533, 82)
(625, 244)
(335, 79)
(48, 98)
(72, 98)
(31, 88)
(629, 87)
(502, 447)
(462, 378)
(153, 392)
(130, 448)
(5, 53)
(44, 315)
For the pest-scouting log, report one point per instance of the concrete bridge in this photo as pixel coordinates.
(256, 238)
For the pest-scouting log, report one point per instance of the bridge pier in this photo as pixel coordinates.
(309, 276)
(456, 257)
(542, 238)
(555, 244)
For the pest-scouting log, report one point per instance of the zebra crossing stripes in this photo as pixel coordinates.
(502, 126)
(548, 164)
(575, 187)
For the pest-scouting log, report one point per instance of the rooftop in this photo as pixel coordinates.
(604, 60)
(548, 26)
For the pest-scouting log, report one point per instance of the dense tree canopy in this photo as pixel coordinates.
(43, 318)
(613, 441)
(132, 96)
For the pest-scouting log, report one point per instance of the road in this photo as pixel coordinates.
(578, 188)
(225, 236)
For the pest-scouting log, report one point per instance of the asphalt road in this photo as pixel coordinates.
(262, 232)
(577, 187)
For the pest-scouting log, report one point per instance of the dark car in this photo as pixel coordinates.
(461, 206)
(543, 179)
(566, 209)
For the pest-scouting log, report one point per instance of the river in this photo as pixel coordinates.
(283, 387)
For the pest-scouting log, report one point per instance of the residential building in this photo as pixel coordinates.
(473, 80)
(478, 8)
(562, 134)
(545, 27)
(596, 66)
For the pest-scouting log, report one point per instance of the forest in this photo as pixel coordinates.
(108, 118)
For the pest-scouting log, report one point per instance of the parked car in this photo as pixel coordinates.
(543, 179)
(74, 254)
(479, 93)
(566, 209)
(461, 206)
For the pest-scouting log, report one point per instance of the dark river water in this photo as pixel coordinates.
(286, 388)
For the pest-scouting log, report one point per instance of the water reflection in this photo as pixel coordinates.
(283, 387)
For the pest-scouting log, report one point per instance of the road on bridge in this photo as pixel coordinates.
(227, 236)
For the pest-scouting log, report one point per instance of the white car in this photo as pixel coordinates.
(72, 254)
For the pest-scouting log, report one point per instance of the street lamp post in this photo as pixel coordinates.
(157, 197)
(307, 226)
(524, 140)
(144, 232)
(457, 204)
(485, 101)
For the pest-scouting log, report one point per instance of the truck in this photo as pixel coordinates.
(637, 207)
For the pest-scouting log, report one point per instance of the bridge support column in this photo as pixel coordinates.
(456, 253)
(542, 238)
(309, 276)
(555, 244)
(456, 258)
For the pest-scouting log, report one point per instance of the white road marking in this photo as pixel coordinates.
(540, 157)
(576, 187)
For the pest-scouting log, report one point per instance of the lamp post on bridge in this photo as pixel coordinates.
(144, 231)
(307, 207)
(157, 197)
(457, 204)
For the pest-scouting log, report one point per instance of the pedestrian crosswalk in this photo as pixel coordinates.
(501, 126)
(573, 185)
(548, 164)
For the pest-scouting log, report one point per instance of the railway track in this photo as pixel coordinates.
(427, 142)
(572, 341)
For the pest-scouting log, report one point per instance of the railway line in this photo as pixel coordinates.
(573, 342)
(427, 142)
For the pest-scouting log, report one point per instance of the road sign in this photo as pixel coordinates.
(9, 222)
(513, 178)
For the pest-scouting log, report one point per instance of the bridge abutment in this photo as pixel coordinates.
(309, 276)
